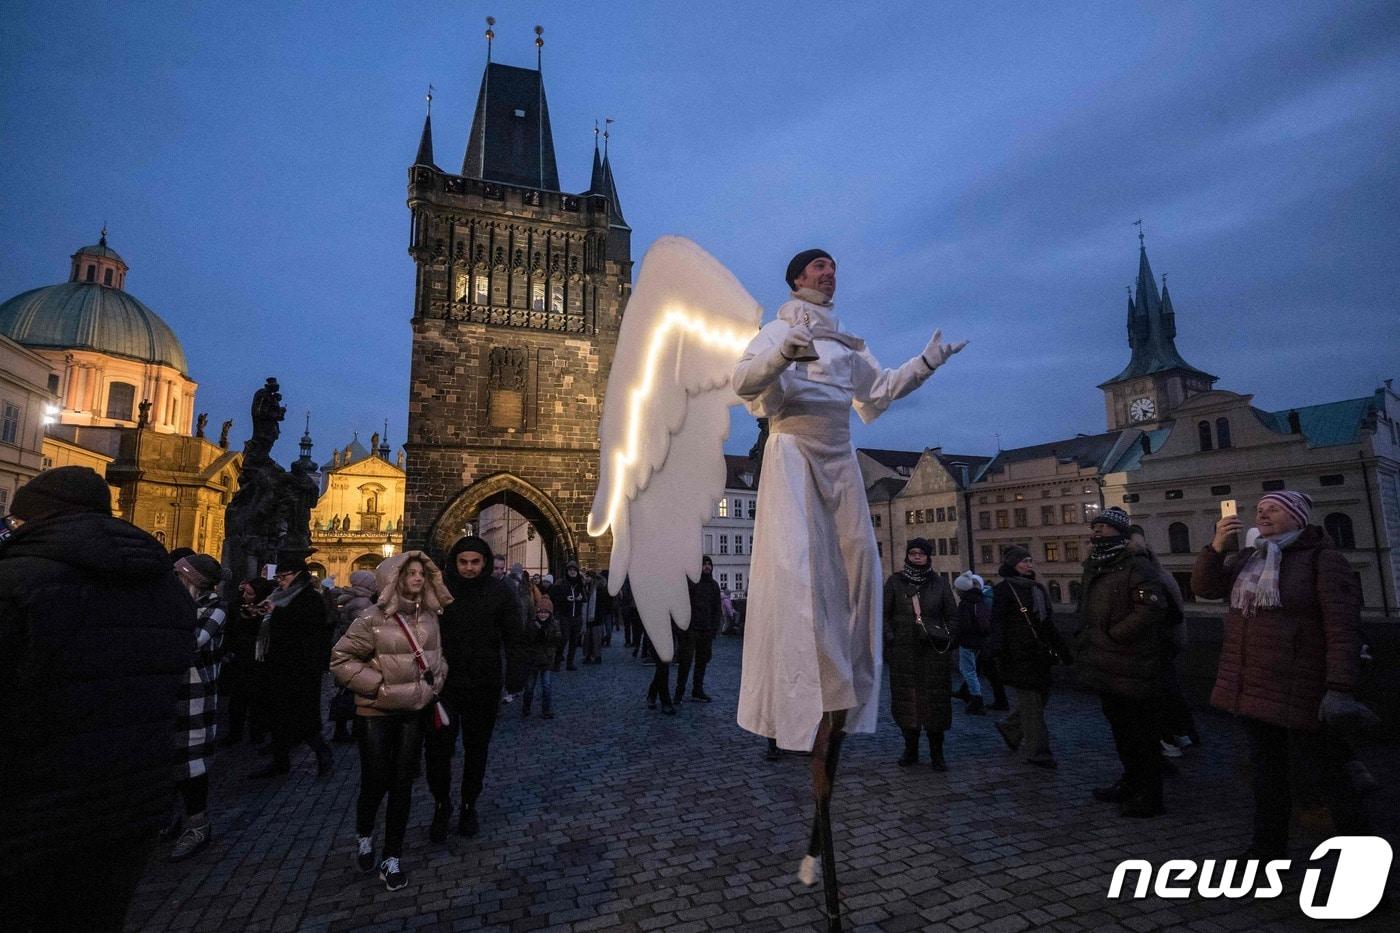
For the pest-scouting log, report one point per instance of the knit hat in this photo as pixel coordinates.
(800, 261)
(63, 490)
(1014, 555)
(291, 563)
(199, 570)
(919, 544)
(547, 579)
(1114, 518)
(968, 581)
(544, 604)
(1297, 504)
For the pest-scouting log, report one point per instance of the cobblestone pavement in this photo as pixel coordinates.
(610, 817)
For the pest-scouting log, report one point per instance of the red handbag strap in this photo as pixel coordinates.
(413, 642)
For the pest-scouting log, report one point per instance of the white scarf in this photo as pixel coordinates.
(819, 313)
(1256, 587)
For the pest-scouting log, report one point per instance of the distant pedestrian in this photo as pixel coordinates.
(95, 637)
(974, 624)
(198, 705)
(391, 659)
(1026, 645)
(570, 598)
(920, 631)
(705, 617)
(593, 623)
(350, 603)
(240, 670)
(607, 607)
(297, 645)
(542, 638)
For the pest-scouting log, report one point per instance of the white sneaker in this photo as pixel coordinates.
(1169, 750)
(391, 874)
(364, 853)
(809, 870)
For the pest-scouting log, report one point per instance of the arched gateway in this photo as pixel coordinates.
(519, 295)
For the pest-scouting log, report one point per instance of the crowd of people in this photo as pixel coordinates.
(140, 662)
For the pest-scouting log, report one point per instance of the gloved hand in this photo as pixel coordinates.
(937, 352)
(797, 344)
(1343, 711)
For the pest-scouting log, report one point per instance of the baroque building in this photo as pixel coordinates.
(520, 289)
(358, 518)
(125, 401)
(27, 404)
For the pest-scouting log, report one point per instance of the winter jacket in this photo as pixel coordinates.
(95, 636)
(1023, 642)
(570, 598)
(705, 614)
(1125, 617)
(974, 620)
(298, 642)
(920, 673)
(375, 660)
(1276, 665)
(356, 599)
(480, 626)
(542, 641)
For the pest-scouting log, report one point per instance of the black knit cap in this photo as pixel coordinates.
(919, 544)
(799, 262)
(1013, 556)
(66, 490)
(470, 543)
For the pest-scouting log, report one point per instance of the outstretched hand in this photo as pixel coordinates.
(937, 352)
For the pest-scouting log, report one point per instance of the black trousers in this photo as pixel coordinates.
(1134, 723)
(1174, 711)
(699, 649)
(987, 669)
(660, 683)
(572, 630)
(685, 656)
(1282, 760)
(88, 888)
(389, 749)
(473, 720)
(236, 681)
(194, 792)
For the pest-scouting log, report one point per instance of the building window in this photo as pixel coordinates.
(1203, 435)
(92, 273)
(875, 519)
(120, 398)
(724, 581)
(738, 583)
(483, 289)
(942, 547)
(1055, 593)
(938, 515)
(1069, 514)
(1174, 494)
(1003, 521)
(709, 544)
(984, 521)
(537, 296)
(909, 517)
(1130, 497)
(753, 508)
(1332, 479)
(1183, 582)
(1052, 551)
(1001, 497)
(9, 425)
(1220, 490)
(738, 544)
(723, 508)
(724, 544)
(107, 277)
(1020, 517)
(1338, 527)
(1222, 432)
(952, 514)
(981, 500)
(1072, 550)
(880, 548)
(1047, 515)
(1075, 587)
(953, 546)
(1271, 485)
(987, 557)
(1178, 538)
(556, 299)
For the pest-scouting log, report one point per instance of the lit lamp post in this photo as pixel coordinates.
(387, 548)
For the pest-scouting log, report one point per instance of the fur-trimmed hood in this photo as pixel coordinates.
(435, 595)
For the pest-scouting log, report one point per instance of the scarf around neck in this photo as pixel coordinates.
(1257, 585)
(915, 575)
(1105, 551)
(819, 314)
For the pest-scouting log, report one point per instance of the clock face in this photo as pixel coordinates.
(1142, 409)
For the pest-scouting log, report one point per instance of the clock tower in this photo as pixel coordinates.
(1156, 379)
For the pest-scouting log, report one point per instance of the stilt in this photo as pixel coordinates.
(826, 755)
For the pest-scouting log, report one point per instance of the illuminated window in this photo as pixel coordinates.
(724, 508)
(537, 296)
(1003, 520)
(483, 289)
(1052, 551)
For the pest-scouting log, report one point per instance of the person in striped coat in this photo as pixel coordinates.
(199, 704)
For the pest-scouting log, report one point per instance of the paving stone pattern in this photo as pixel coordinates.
(611, 817)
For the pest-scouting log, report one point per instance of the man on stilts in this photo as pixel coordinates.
(812, 648)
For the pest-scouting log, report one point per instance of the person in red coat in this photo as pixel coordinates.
(1289, 662)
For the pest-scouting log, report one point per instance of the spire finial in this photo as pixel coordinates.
(1164, 281)
(490, 35)
(103, 240)
(430, 100)
(539, 47)
(595, 135)
(607, 132)
(1141, 238)
(308, 421)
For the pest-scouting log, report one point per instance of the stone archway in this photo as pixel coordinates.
(528, 501)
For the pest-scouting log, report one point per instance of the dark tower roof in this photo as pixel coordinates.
(597, 181)
(510, 140)
(1152, 329)
(610, 189)
(425, 144)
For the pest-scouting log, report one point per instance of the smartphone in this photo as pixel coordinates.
(1229, 508)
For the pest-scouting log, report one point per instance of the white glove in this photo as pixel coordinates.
(937, 352)
(798, 343)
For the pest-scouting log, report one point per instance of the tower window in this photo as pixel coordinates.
(121, 396)
(1332, 479)
(1178, 538)
(537, 296)
(1203, 435)
(1220, 490)
(92, 273)
(1222, 432)
(483, 290)
(1272, 485)
(1338, 527)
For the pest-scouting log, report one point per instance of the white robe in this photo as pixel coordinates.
(812, 633)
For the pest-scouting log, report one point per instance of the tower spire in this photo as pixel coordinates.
(596, 181)
(425, 142)
(539, 70)
(485, 88)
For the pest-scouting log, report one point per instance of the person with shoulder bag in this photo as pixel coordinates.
(920, 621)
(391, 659)
(1027, 645)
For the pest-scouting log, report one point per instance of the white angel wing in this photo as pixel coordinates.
(665, 418)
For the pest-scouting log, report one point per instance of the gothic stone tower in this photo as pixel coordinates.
(1156, 379)
(519, 297)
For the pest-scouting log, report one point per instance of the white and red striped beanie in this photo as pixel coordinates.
(1297, 504)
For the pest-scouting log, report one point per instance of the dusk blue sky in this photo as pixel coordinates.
(972, 166)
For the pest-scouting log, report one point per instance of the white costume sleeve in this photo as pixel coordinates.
(758, 372)
(876, 387)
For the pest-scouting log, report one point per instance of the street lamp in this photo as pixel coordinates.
(387, 549)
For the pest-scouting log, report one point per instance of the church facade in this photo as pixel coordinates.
(520, 290)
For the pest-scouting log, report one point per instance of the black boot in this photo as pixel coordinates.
(963, 693)
(911, 749)
(442, 817)
(935, 751)
(467, 823)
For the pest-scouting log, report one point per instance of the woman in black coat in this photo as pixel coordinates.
(298, 650)
(920, 631)
(1026, 645)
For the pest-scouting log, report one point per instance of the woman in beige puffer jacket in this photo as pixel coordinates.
(394, 695)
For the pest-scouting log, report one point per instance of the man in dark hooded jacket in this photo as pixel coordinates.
(95, 635)
(480, 626)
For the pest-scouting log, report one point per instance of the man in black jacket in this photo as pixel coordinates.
(95, 635)
(570, 598)
(481, 624)
(700, 638)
